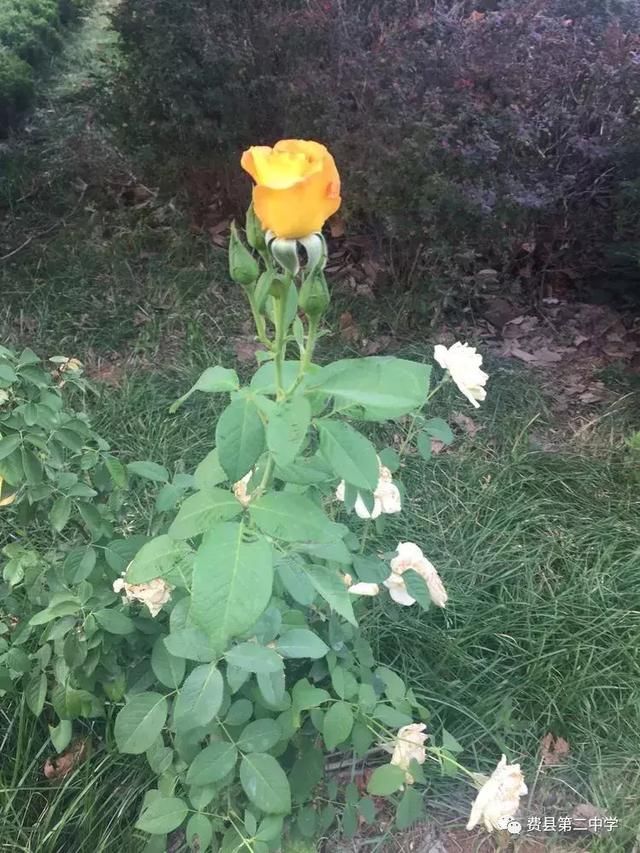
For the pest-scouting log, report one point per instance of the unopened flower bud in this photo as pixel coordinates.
(314, 295)
(285, 253)
(255, 234)
(243, 267)
(316, 249)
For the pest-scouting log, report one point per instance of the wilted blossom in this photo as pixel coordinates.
(499, 797)
(386, 497)
(240, 489)
(154, 594)
(464, 364)
(409, 746)
(410, 556)
(360, 588)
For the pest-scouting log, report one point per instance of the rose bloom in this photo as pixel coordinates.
(240, 489)
(464, 364)
(386, 497)
(361, 588)
(297, 186)
(409, 745)
(154, 594)
(499, 797)
(410, 556)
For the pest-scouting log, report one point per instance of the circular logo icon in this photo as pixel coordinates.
(514, 827)
(503, 822)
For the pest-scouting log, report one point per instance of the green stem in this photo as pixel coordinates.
(410, 431)
(365, 534)
(258, 319)
(312, 334)
(268, 471)
(279, 344)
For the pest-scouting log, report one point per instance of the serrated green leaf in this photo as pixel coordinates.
(36, 692)
(375, 388)
(295, 580)
(417, 588)
(301, 643)
(240, 438)
(213, 380)
(167, 668)
(162, 815)
(199, 698)
(232, 582)
(271, 685)
(351, 456)
(8, 445)
(114, 622)
(59, 513)
(287, 429)
(199, 832)
(260, 735)
(140, 722)
(61, 735)
(192, 644)
(338, 723)
(305, 695)
(200, 511)
(240, 711)
(439, 429)
(254, 658)
(212, 764)
(162, 557)
(149, 471)
(209, 472)
(265, 783)
(293, 518)
(410, 808)
(385, 780)
(331, 587)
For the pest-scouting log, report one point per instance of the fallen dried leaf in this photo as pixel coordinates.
(246, 348)
(60, 766)
(466, 424)
(349, 330)
(553, 750)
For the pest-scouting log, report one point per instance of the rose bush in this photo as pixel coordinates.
(228, 644)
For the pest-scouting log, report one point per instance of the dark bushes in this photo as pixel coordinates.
(469, 135)
(29, 34)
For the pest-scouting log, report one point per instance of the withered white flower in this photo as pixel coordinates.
(499, 797)
(386, 497)
(464, 364)
(409, 745)
(154, 594)
(240, 489)
(410, 556)
(361, 588)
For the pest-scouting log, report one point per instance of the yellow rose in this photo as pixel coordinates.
(297, 186)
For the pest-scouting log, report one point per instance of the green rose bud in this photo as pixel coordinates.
(243, 267)
(255, 234)
(314, 295)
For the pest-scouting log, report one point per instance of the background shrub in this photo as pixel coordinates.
(469, 135)
(29, 34)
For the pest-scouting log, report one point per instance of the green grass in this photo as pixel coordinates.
(91, 810)
(540, 551)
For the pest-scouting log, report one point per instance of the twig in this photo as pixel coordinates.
(19, 249)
